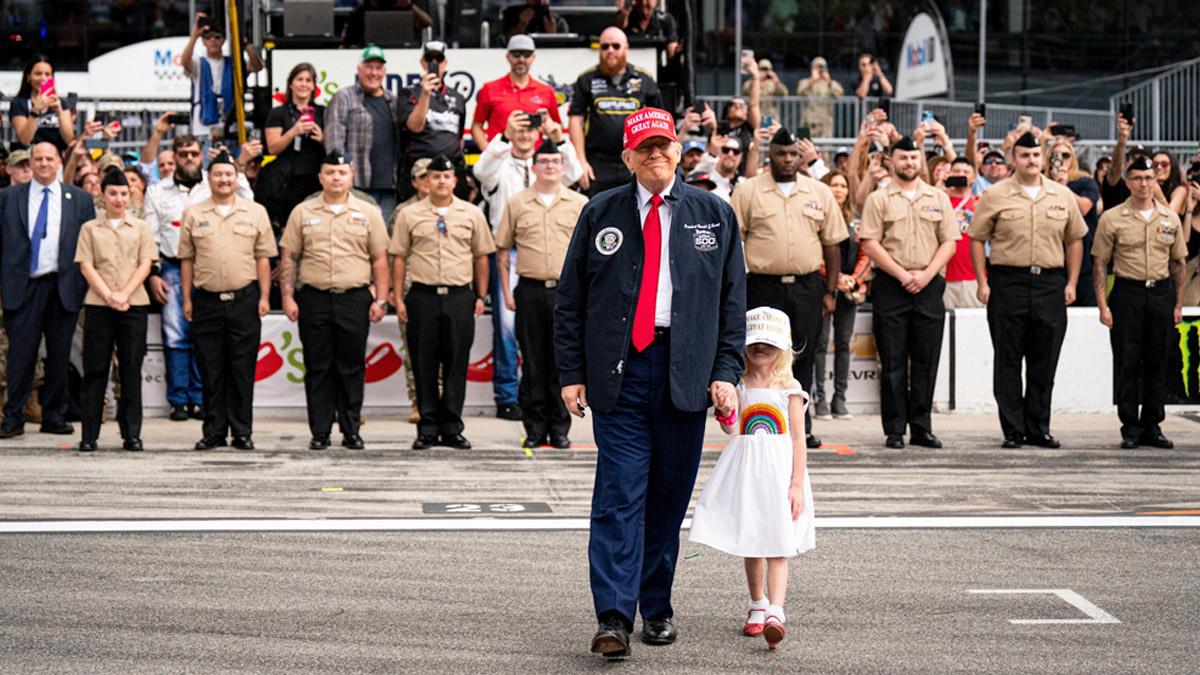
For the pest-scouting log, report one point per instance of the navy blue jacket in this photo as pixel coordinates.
(598, 290)
(76, 209)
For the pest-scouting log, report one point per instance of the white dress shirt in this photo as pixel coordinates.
(164, 204)
(502, 176)
(47, 262)
(662, 303)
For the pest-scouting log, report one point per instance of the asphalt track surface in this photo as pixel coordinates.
(889, 599)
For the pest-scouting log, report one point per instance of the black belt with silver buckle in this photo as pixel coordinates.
(1144, 283)
(781, 279)
(440, 290)
(228, 296)
(540, 283)
(1034, 270)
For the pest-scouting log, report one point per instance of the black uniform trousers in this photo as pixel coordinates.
(104, 328)
(1027, 317)
(801, 301)
(226, 335)
(1143, 322)
(333, 329)
(42, 314)
(542, 409)
(908, 338)
(441, 328)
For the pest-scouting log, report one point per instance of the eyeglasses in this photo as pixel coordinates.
(737, 104)
(614, 46)
(1165, 164)
(731, 151)
(549, 161)
(441, 224)
(187, 153)
(521, 54)
(1063, 155)
(993, 161)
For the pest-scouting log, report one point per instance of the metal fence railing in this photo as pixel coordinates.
(847, 113)
(1167, 106)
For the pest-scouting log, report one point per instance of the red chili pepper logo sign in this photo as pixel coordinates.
(481, 370)
(269, 362)
(382, 363)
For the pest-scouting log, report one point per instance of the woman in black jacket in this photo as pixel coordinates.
(294, 135)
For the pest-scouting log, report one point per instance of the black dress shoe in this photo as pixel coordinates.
(532, 442)
(894, 441)
(1128, 443)
(658, 631)
(424, 442)
(87, 446)
(179, 413)
(57, 428)
(560, 442)
(925, 439)
(1156, 440)
(210, 442)
(1043, 441)
(812, 441)
(318, 443)
(352, 442)
(133, 445)
(11, 432)
(508, 411)
(457, 441)
(1013, 441)
(195, 411)
(612, 640)
(243, 443)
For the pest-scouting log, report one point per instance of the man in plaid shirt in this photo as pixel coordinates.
(360, 122)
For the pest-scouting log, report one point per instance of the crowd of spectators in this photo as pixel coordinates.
(404, 152)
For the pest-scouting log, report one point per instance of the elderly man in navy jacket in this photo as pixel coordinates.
(41, 286)
(649, 327)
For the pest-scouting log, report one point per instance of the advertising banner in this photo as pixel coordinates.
(925, 67)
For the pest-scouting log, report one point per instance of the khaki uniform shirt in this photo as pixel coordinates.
(540, 233)
(334, 250)
(910, 230)
(1140, 249)
(1027, 232)
(784, 235)
(438, 258)
(116, 253)
(226, 248)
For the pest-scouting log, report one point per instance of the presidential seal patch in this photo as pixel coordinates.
(609, 240)
(704, 240)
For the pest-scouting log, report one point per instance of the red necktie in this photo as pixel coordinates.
(643, 317)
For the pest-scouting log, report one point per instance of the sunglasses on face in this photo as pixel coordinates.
(731, 151)
(187, 153)
(614, 46)
(521, 54)
(1062, 155)
(993, 162)
(1162, 164)
(441, 224)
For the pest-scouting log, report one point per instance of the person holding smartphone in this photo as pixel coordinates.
(433, 117)
(871, 80)
(294, 134)
(38, 113)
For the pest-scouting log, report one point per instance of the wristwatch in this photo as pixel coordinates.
(383, 304)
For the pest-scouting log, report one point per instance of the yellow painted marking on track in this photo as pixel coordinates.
(332, 489)
(528, 452)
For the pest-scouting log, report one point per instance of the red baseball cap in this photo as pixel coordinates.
(648, 123)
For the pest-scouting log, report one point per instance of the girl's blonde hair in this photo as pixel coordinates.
(1073, 171)
(781, 369)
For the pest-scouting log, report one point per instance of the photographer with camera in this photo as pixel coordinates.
(517, 90)
(212, 75)
(432, 117)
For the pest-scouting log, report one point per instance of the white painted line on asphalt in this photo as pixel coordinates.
(562, 524)
(1081, 603)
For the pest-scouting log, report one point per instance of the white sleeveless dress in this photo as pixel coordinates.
(744, 507)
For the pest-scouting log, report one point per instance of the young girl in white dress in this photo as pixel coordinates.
(758, 503)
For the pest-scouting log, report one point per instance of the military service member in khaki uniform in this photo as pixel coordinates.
(225, 244)
(114, 254)
(441, 245)
(790, 224)
(420, 183)
(909, 231)
(1036, 232)
(339, 243)
(539, 222)
(1144, 240)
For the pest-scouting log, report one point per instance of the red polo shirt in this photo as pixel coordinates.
(497, 99)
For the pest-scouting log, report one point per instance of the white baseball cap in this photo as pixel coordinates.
(520, 42)
(768, 326)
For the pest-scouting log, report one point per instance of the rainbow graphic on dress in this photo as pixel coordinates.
(763, 418)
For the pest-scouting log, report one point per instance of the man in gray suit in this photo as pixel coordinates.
(41, 287)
